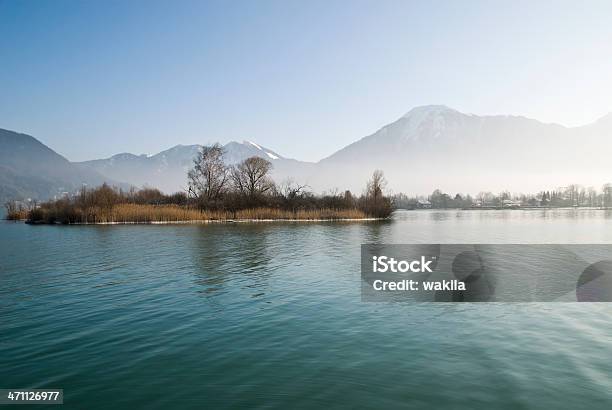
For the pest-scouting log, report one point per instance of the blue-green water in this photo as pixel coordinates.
(270, 315)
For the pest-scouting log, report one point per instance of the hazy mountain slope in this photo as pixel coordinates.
(30, 169)
(435, 146)
(167, 170)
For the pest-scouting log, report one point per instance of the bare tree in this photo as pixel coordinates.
(290, 189)
(485, 197)
(292, 193)
(606, 195)
(375, 187)
(592, 196)
(376, 204)
(573, 194)
(11, 207)
(209, 175)
(250, 177)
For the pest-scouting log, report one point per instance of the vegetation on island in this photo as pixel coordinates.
(216, 192)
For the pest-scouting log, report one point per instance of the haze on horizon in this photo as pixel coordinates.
(305, 79)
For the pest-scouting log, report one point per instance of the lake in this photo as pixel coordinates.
(270, 315)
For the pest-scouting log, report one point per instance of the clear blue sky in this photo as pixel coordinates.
(94, 78)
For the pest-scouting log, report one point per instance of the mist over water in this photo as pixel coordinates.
(270, 314)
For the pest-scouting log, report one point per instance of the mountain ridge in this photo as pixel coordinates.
(428, 147)
(167, 169)
(30, 169)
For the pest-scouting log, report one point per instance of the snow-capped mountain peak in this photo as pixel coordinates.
(252, 143)
(429, 122)
(263, 152)
(425, 111)
(268, 153)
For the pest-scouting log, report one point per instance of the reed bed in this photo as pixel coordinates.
(17, 215)
(138, 213)
(301, 214)
(134, 213)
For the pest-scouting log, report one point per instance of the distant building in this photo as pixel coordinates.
(423, 204)
(510, 204)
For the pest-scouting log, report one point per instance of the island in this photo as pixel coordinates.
(216, 192)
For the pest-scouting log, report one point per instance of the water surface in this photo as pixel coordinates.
(270, 315)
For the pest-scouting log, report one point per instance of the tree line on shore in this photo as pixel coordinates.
(573, 195)
(216, 191)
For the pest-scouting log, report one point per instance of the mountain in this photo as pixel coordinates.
(438, 147)
(167, 170)
(30, 169)
(427, 148)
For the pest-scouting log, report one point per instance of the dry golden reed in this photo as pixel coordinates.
(314, 214)
(136, 213)
(17, 215)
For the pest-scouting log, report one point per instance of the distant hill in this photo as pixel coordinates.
(30, 169)
(167, 170)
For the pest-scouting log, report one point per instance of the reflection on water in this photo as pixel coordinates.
(270, 314)
(217, 256)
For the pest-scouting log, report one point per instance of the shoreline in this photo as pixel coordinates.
(293, 220)
(523, 208)
(205, 221)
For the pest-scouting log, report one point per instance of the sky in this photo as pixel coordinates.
(304, 78)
